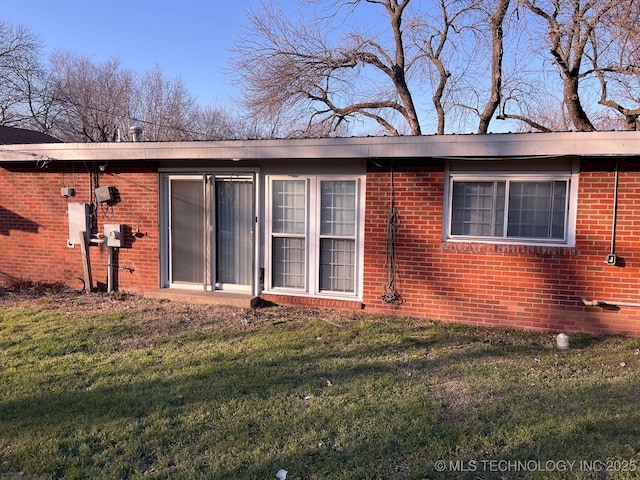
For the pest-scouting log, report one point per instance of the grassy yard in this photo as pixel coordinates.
(115, 387)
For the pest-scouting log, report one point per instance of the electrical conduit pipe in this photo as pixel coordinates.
(598, 303)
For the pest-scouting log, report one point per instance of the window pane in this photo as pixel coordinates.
(288, 206)
(337, 265)
(288, 262)
(338, 208)
(559, 213)
(473, 209)
(537, 209)
(501, 189)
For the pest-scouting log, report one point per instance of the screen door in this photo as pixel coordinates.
(211, 222)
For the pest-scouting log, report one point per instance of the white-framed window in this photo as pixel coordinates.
(512, 207)
(314, 236)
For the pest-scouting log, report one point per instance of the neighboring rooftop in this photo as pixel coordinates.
(19, 136)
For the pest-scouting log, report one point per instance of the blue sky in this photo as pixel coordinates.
(189, 40)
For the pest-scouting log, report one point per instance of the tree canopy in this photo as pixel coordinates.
(76, 99)
(349, 67)
(443, 66)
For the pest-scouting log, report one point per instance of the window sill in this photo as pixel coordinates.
(546, 250)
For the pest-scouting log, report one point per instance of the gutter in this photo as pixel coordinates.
(490, 146)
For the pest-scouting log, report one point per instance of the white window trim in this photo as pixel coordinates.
(312, 237)
(571, 213)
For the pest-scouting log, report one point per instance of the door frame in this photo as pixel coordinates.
(165, 174)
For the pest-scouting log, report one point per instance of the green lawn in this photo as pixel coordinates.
(113, 387)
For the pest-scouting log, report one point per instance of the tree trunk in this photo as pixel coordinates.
(439, 93)
(407, 101)
(577, 115)
(394, 10)
(496, 22)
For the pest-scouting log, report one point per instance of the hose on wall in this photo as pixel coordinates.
(391, 294)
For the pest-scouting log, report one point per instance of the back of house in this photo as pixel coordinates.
(530, 231)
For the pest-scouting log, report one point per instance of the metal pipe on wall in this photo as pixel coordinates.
(611, 259)
(602, 303)
(109, 269)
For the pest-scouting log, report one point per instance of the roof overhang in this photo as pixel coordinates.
(506, 145)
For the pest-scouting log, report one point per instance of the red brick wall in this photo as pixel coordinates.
(34, 225)
(299, 301)
(535, 288)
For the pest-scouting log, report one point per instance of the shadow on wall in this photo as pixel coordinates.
(12, 221)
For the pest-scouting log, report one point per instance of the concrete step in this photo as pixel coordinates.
(232, 299)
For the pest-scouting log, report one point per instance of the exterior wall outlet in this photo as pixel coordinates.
(611, 259)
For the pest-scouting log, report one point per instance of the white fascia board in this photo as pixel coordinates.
(503, 145)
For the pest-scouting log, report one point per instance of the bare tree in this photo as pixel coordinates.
(326, 74)
(100, 102)
(496, 21)
(574, 31)
(305, 70)
(440, 33)
(163, 107)
(95, 98)
(20, 75)
(212, 124)
(616, 61)
(546, 114)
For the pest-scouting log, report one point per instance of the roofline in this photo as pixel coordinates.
(510, 145)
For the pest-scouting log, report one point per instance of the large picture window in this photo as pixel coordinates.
(516, 208)
(314, 233)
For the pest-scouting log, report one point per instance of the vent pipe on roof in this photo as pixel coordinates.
(136, 133)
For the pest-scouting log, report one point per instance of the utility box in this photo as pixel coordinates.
(114, 234)
(68, 192)
(105, 195)
(79, 221)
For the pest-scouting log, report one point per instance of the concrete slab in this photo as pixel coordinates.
(232, 299)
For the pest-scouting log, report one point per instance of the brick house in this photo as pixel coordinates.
(532, 231)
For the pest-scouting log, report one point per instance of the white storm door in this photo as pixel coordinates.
(211, 232)
(188, 235)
